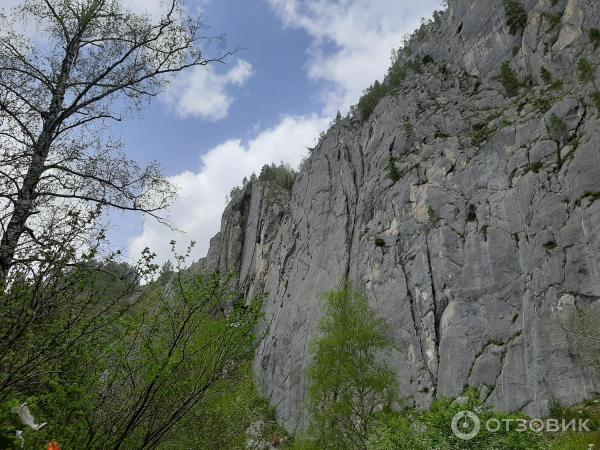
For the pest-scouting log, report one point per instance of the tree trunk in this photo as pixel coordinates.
(24, 204)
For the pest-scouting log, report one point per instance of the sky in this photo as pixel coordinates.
(297, 63)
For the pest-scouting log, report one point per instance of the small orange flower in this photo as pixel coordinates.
(53, 446)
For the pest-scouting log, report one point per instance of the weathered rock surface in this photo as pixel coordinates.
(491, 234)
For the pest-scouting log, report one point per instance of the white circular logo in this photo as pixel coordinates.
(464, 421)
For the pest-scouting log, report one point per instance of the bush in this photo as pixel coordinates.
(586, 71)
(516, 16)
(546, 75)
(371, 97)
(348, 384)
(553, 20)
(431, 429)
(397, 73)
(594, 35)
(558, 128)
(393, 171)
(542, 104)
(509, 79)
(556, 85)
(280, 177)
(480, 134)
(596, 100)
(432, 215)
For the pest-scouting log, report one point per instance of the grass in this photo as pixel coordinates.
(536, 166)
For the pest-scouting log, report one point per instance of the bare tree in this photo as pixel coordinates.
(95, 60)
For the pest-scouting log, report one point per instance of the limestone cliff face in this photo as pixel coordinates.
(478, 248)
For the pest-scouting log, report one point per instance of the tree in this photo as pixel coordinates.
(348, 386)
(56, 98)
(516, 16)
(124, 371)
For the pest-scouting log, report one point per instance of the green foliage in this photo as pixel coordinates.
(347, 382)
(393, 171)
(553, 20)
(516, 16)
(397, 73)
(122, 368)
(596, 100)
(432, 215)
(594, 35)
(509, 79)
(379, 242)
(370, 99)
(281, 177)
(558, 128)
(223, 419)
(586, 70)
(557, 85)
(546, 75)
(409, 130)
(536, 166)
(430, 429)
(484, 231)
(542, 104)
(480, 134)
(472, 213)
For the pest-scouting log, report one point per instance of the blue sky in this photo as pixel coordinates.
(299, 62)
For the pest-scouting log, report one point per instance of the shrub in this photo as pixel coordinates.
(542, 104)
(594, 35)
(347, 381)
(558, 128)
(557, 85)
(409, 130)
(480, 134)
(379, 242)
(586, 70)
(596, 100)
(509, 79)
(545, 75)
(371, 97)
(516, 16)
(553, 20)
(397, 73)
(280, 177)
(432, 215)
(425, 430)
(472, 213)
(393, 171)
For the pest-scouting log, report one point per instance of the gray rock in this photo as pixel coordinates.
(471, 300)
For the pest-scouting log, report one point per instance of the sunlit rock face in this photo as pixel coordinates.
(481, 249)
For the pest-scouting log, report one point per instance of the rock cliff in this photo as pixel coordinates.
(469, 216)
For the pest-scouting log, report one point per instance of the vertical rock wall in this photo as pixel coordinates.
(482, 254)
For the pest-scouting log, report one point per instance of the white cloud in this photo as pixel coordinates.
(351, 40)
(202, 92)
(201, 200)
